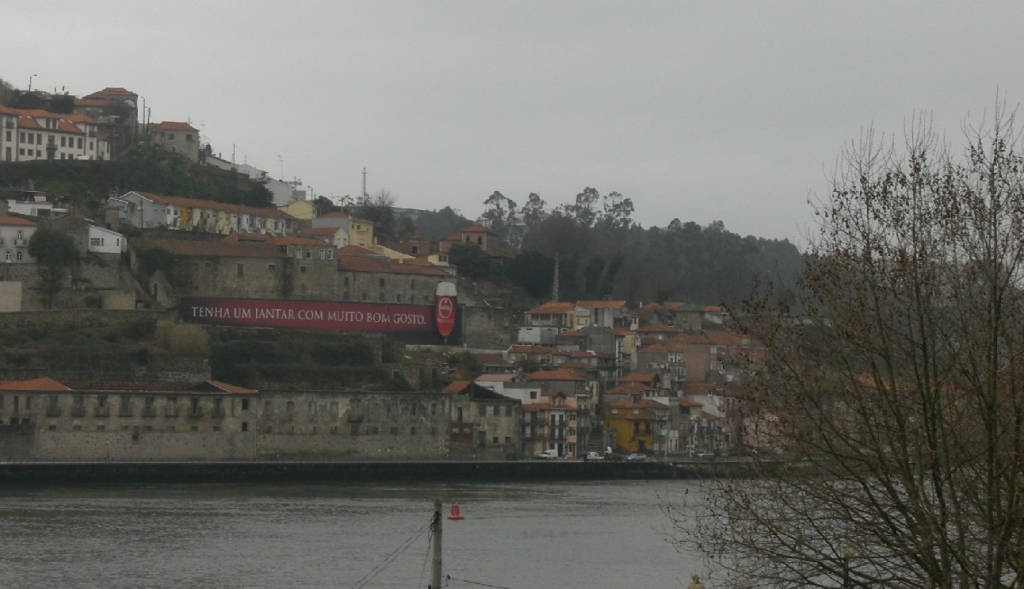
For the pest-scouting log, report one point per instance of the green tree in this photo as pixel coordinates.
(56, 256)
(533, 211)
(7, 93)
(500, 215)
(325, 205)
(473, 262)
(896, 403)
(380, 210)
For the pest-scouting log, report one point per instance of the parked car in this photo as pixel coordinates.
(636, 457)
(550, 454)
(705, 455)
(593, 456)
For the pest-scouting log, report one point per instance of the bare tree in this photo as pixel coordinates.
(894, 406)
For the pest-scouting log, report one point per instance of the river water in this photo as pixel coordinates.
(517, 536)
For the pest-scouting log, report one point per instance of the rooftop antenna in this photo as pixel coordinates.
(364, 183)
(281, 159)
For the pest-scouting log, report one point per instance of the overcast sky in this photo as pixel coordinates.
(701, 111)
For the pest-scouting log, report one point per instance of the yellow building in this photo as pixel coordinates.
(636, 424)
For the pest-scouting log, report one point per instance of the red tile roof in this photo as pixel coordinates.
(222, 249)
(645, 377)
(35, 384)
(173, 126)
(196, 203)
(553, 308)
(564, 375)
(602, 304)
(457, 386)
(17, 221)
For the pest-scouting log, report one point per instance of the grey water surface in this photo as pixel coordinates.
(517, 536)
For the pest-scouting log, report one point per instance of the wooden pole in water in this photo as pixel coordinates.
(435, 571)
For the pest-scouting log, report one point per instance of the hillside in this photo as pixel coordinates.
(85, 184)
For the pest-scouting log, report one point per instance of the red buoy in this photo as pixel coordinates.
(456, 516)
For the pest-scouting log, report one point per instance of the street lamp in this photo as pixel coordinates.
(30, 82)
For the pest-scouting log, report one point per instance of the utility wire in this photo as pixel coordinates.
(391, 557)
(451, 578)
(426, 557)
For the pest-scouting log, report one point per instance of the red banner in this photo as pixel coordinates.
(416, 321)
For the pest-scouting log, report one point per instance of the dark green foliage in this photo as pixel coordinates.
(56, 256)
(153, 257)
(436, 225)
(474, 263)
(324, 205)
(147, 170)
(466, 364)
(280, 358)
(533, 272)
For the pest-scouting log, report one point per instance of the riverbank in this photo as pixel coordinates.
(433, 471)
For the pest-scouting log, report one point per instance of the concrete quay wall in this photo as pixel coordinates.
(12, 473)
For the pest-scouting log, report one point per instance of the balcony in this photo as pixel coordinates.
(20, 242)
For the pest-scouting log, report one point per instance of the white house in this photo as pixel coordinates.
(105, 241)
(14, 235)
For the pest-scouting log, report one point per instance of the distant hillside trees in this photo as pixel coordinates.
(603, 253)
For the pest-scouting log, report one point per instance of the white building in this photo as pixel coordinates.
(33, 134)
(283, 191)
(14, 235)
(33, 204)
(105, 241)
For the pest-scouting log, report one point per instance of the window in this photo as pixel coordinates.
(398, 298)
(63, 142)
(170, 136)
(533, 394)
(345, 281)
(245, 426)
(95, 241)
(245, 404)
(364, 295)
(413, 283)
(271, 267)
(508, 440)
(302, 269)
(381, 283)
(241, 269)
(309, 253)
(481, 410)
(494, 440)
(321, 254)
(19, 256)
(79, 143)
(330, 254)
